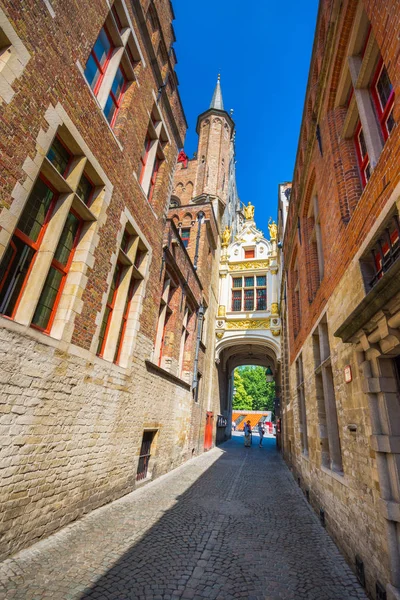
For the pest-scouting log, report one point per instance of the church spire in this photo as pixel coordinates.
(217, 101)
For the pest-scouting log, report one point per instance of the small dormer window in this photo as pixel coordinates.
(249, 253)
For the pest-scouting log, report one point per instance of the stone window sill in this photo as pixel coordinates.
(166, 374)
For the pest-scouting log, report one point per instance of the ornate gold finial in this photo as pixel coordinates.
(219, 76)
(226, 237)
(249, 211)
(273, 229)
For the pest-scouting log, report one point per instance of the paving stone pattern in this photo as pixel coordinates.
(229, 524)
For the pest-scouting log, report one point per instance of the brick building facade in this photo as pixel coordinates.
(104, 347)
(341, 292)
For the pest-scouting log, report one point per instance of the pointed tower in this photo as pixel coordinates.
(215, 129)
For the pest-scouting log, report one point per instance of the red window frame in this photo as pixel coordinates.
(111, 306)
(144, 156)
(133, 286)
(249, 253)
(102, 68)
(34, 245)
(64, 269)
(363, 160)
(383, 112)
(118, 101)
(156, 168)
(394, 238)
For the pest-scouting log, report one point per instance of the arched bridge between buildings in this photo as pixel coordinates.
(247, 347)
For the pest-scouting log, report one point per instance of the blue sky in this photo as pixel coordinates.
(263, 55)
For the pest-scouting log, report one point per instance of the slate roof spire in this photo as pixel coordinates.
(217, 101)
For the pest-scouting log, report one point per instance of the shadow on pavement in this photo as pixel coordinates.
(242, 530)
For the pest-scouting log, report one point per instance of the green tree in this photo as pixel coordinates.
(241, 399)
(256, 387)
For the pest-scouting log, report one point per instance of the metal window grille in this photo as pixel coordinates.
(360, 571)
(237, 300)
(387, 250)
(380, 591)
(145, 455)
(322, 517)
(249, 300)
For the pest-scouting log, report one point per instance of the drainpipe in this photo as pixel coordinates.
(200, 216)
(200, 317)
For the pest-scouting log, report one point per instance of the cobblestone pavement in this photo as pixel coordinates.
(229, 524)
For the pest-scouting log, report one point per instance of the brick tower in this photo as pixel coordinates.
(210, 174)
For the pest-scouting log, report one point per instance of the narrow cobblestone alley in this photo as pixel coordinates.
(229, 524)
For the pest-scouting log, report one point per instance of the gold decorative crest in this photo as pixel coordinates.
(249, 266)
(274, 308)
(249, 324)
(221, 310)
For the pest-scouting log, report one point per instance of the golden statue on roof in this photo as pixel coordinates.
(226, 236)
(249, 211)
(273, 229)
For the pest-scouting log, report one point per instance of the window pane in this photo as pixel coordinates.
(249, 281)
(384, 87)
(390, 122)
(85, 189)
(367, 172)
(118, 84)
(261, 299)
(107, 313)
(47, 298)
(237, 282)
(102, 47)
(59, 156)
(248, 299)
(66, 243)
(185, 236)
(92, 72)
(361, 141)
(125, 241)
(261, 280)
(109, 109)
(237, 300)
(14, 267)
(249, 253)
(35, 211)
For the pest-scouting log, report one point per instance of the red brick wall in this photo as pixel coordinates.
(52, 76)
(347, 212)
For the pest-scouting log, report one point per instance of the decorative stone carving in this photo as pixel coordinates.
(219, 334)
(245, 265)
(249, 324)
(276, 332)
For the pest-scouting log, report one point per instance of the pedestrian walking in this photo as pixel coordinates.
(247, 434)
(261, 432)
